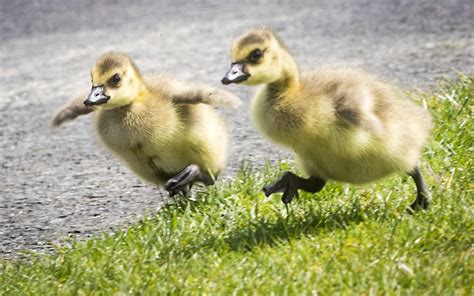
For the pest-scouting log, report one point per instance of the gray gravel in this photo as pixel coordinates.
(57, 183)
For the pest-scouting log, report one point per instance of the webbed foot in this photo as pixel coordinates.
(184, 180)
(289, 184)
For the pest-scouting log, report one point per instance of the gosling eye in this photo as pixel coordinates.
(255, 55)
(115, 80)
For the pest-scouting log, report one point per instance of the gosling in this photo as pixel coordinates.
(342, 124)
(163, 129)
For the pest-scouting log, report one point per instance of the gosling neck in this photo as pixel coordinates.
(142, 90)
(289, 81)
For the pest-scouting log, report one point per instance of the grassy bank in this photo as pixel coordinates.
(344, 239)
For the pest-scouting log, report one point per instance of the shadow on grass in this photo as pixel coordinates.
(299, 222)
(294, 226)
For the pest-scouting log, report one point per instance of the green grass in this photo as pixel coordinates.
(345, 239)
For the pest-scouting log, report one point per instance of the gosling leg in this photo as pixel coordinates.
(423, 195)
(183, 181)
(289, 184)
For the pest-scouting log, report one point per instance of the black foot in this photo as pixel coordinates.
(183, 192)
(289, 184)
(183, 181)
(282, 185)
(421, 203)
(423, 195)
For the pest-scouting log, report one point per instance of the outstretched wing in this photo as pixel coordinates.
(201, 94)
(72, 109)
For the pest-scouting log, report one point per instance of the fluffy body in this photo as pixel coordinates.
(344, 125)
(158, 138)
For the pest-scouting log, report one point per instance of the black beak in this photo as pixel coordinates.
(235, 74)
(96, 96)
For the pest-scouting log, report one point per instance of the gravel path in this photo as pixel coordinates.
(56, 183)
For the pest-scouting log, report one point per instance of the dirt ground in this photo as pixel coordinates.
(60, 183)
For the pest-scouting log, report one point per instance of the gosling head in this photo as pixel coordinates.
(115, 82)
(256, 58)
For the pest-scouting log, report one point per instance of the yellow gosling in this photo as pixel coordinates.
(163, 129)
(342, 124)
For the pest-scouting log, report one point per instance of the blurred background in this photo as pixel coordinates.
(56, 183)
